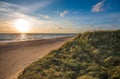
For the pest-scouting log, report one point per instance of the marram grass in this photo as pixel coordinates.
(90, 55)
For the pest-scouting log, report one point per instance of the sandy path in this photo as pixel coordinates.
(15, 58)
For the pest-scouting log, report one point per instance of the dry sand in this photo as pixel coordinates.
(15, 56)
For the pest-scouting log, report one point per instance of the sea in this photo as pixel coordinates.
(25, 37)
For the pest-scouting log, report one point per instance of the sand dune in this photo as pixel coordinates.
(15, 56)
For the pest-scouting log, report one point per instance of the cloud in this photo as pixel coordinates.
(9, 7)
(98, 7)
(62, 14)
(38, 5)
(45, 16)
(10, 12)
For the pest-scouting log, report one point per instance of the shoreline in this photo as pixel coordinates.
(24, 43)
(8, 41)
(15, 56)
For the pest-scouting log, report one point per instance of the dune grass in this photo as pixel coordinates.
(90, 55)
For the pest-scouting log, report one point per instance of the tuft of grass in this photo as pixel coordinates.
(90, 55)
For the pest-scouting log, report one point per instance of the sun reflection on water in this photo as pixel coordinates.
(23, 37)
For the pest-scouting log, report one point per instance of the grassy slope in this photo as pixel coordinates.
(91, 55)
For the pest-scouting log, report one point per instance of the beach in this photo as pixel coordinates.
(15, 56)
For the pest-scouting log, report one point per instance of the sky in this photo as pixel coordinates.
(60, 16)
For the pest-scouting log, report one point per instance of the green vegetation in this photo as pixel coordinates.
(91, 55)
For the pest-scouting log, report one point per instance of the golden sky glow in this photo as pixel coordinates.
(22, 25)
(48, 16)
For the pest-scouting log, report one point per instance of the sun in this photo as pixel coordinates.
(22, 25)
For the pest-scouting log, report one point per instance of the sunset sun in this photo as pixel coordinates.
(22, 25)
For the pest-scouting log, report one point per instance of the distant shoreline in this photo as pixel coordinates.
(24, 43)
(27, 37)
(33, 39)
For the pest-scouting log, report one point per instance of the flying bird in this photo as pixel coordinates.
(60, 28)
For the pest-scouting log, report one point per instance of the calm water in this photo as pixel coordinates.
(22, 37)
